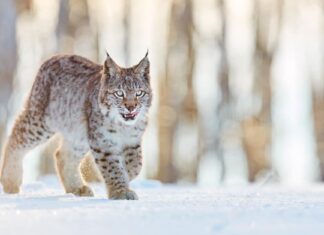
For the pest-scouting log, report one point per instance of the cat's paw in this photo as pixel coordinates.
(9, 188)
(10, 184)
(123, 195)
(84, 191)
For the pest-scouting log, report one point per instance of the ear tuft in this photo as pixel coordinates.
(110, 67)
(143, 67)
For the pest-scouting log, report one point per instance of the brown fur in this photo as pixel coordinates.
(102, 109)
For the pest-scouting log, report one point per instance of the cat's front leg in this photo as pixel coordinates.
(114, 174)
(133, 160)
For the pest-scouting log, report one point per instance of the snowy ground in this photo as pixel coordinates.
(43, 208)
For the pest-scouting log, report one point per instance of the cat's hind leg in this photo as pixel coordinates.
(28, 131)
(68, 158)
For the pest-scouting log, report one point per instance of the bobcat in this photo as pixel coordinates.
(101, 109)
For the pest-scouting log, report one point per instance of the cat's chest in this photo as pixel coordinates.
(126, 136)
(120, 136)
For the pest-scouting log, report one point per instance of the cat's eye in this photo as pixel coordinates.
(140, 93)
(119, 94)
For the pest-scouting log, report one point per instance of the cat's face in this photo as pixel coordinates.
(125, 93)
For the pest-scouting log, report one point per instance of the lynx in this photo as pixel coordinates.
(98, 108)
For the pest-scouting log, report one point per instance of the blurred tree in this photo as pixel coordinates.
(223, 108)
(212, 88)
(318, 104)
(256, 129)
(293, 136)
(176, 102)
(8, 58)
(74, 32)
(318, 79)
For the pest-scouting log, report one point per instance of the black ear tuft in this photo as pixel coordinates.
(143, 67)
(110, 67)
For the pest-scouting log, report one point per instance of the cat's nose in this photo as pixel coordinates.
(131, 107)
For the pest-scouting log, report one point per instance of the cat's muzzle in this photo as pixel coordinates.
(129, 116)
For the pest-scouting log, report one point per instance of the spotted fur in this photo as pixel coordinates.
(101, 109)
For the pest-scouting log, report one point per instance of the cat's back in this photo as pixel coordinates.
(69, 66)
(61, 75)
(69, 78)
(62, 86)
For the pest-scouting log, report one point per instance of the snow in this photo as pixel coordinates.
(43, 208)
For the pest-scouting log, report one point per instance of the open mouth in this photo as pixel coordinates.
(129, 116)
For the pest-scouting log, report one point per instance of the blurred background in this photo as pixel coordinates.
(238, 85)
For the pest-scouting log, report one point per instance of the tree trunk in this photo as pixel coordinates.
(293, 137)
(8, 59)
(256, 129)
(176, 100)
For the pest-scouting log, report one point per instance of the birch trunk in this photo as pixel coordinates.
(8, 58)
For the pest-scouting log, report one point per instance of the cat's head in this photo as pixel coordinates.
(125, 93)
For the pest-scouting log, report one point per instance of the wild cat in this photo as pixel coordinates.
(101, 109)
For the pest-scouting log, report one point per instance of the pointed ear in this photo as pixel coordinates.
(110, 67)
(143, 67)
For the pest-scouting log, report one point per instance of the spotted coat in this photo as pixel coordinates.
(98, 108)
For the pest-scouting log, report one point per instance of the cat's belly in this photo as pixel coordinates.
(76, 134)
(74, 130)
(65, 113)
